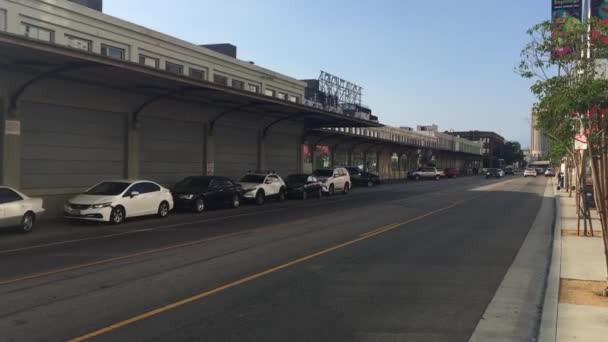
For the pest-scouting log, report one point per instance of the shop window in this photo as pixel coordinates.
(219, 79)
(112, 51)
(174, 68)
(36, 32)
(149, 61)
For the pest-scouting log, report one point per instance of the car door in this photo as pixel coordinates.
(11, 207)
(135, 205)
(151, 198)
(217, 193)
(275, 185)
(228, 190)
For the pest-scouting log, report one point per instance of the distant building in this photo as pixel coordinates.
(492, 145)
(526, 155)
(539, 142)
(427, 128)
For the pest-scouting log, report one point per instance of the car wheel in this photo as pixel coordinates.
(163, 209)
(320, 193)
(346, 189)
(236, 201)
(27, 222)
(259, 198)
(281, 196)
(304, 195)
(199, 205)
(117, 216)
(437, 178)
(417, 177)
(370, 184)
(331, 190)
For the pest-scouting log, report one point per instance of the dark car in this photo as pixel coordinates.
(303, 186)
(451, 172)
(509, 171)
(493, 173)
(362, 178)
(200, 192)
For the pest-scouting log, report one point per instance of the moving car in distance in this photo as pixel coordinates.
(530, 172)
(362, 178)
(197, 193)
(116, 200)
(17, 210)
(334, 180)
(509, 171)
(451, 172)
(494, 173)
(303, 186)
(550, 172)
(425, 173)
(257, 186)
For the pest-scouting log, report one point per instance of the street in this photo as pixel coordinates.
(416, 261)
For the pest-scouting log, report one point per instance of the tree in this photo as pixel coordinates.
(571, 87)
(512, 153)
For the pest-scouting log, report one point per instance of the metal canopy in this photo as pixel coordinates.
(45, 60)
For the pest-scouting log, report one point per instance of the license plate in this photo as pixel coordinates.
(74, 212)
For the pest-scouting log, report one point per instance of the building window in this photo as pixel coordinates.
(253, 88)
(282, 96)
(198, 74)
(269, 92)
(238, 84)
(219, 79)
(2, 20)
(149, 61)
(112, 51)
(174, 68)
(292, 98)
(37, 32)
(78, 43)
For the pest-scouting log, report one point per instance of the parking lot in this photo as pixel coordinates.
(315, 262)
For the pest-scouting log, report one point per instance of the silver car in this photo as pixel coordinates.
(18, 210)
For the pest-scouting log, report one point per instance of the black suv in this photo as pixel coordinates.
(362, 178)
(199, 192)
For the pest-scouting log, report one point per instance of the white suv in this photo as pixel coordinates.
(259, 186)
(333, 180)
(425, 173)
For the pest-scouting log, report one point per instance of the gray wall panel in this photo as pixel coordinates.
(282, 153)
(170, 149)
(235, 149)
(69, 147)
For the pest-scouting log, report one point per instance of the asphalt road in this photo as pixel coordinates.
(402, 262)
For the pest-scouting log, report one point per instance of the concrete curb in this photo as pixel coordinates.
(514, 314)
(548, 325)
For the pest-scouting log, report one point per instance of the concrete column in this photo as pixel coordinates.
(132, 141)
(313, 155)
(350, 152)
(208, 151)
(365, 168)
(11, 145)
(261, 151)
(332, 155)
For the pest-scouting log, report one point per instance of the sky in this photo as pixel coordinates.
(445, 62)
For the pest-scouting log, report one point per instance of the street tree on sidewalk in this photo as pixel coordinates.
(567, 61)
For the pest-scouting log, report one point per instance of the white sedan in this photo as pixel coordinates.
(18, 210)
(530, 172)
(114, 201)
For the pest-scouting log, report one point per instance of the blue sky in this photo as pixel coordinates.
(419, 62)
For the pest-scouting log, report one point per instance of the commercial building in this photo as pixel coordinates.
(539, 142)
(492, 145)
(85, 96)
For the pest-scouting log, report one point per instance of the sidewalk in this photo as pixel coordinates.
(573, 310)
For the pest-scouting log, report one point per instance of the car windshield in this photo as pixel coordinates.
(253, 179)
(108, 188)
(323, 173)
(193, 182)
(296, 179)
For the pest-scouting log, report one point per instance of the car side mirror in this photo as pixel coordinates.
(133, 193)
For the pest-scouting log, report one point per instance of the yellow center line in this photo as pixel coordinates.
(255, 276)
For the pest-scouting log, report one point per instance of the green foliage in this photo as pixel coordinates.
(512, 153)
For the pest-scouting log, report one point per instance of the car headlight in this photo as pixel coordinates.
(186, 196)
(101, 205)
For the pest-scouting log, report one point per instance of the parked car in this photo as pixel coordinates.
(200, 192)
(303, 186)
(257, 186)
(17, 210)
(530, 172)
(362, 178)
(494, 173)
(550, 172)
(334, 180)
(116, 200)
(425, 173)
(451, 172)
(509, 171)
